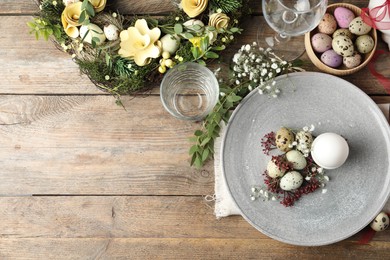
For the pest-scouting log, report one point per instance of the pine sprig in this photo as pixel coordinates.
(226, 6)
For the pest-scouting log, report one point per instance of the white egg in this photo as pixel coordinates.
(297, 159)
(273, 170)
(329, 150)
(170, 43)
(381, 222)
(291, 181)
(111, 32)
(87, 32)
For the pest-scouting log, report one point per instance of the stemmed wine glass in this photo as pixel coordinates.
(290, 19)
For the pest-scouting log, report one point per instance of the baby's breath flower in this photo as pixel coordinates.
(114, 15)
(54, 3)
(107, 77)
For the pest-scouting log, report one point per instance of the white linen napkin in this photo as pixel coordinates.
(224, 203)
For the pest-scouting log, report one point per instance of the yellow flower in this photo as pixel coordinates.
(98, 5)
(219, 20)
(196, 41)
(140, 43)
(194, 8)
(70, 19)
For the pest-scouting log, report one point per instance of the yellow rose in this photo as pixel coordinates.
(70, 19)
(140, 43)
(219, 20)
(98, 5)
(194, 8)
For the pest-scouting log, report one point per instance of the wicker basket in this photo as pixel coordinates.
(342, 70)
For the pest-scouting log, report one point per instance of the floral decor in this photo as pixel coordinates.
(121, 54)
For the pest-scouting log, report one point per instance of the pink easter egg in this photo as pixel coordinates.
(343, 16)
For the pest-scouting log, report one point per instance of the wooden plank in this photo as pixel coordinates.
(123, 217)
(30, 66)
(179, 248)
(9, 7)
(147, 227)
(89, 145)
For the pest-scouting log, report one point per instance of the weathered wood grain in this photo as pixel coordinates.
(147, 227)
(37, 67)
(180, 248)
(89, 145)
(30, 66)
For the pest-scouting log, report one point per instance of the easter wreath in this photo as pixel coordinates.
(121, 54)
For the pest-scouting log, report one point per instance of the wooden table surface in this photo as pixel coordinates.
(82, 178)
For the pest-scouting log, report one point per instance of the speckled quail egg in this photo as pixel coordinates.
(343, 46)
(358, 27)
(111, 32)
(328, 24)
(273, 170)
(381, 222)
(291, 181)
(352, 61)
(343, 32)
(331, 58)
(364, 43)
(297, 159)
(321, 42)
(284, 139)
(304, 140)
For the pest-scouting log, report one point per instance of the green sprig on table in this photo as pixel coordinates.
(253, 68)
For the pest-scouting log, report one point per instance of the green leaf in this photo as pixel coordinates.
(178, 28)
(198, 133)
(82, 17)
(193, 149)
(205, 141)
(204, 43)
(188, 35)
(31, 25)
(211, 55)
(89, 9)
(201, 62)
(84, 4)
(211, 28)
(233, 98)
(196, 27)
(205, 155)
(234, 29)
(219, 48)
(195, 52)
(198, 161)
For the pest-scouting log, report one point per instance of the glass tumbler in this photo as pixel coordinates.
(189, 91)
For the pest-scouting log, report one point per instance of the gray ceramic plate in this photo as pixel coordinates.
(356, 192)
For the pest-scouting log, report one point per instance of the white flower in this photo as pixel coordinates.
(326, 178)
(261, 91)
(274, 66)
(247, 47)
(324, 191)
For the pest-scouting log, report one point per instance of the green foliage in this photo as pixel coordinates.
(49, 22)
(226, 6)
(204, 139)
(44, 28)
